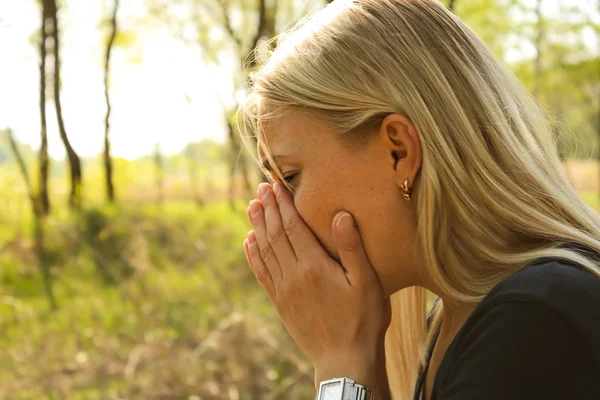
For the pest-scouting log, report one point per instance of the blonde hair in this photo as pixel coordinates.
(491, 193)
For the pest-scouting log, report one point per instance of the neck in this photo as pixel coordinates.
(454, 316)
(454, 313)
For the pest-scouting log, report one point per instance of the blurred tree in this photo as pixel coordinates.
(242, 28)
(263, 30)
(492, 20)
(37, 220)
(271, 17)
(544, 44)
(4, 155)
(43, 154)
(562, 74)
(108, 165)
(28, 153)
(596, 28)
(50, 14)
(540, 43)
(23, 169)
(201, 159)
(191, 155)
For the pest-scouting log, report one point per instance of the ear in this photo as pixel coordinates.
(400, 138)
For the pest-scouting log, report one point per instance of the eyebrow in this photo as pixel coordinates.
(267, 165)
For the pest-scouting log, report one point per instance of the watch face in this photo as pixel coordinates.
(332, 391)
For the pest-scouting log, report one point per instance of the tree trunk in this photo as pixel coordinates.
(264, 29)
(23, 169)
(44, 201)
(38, 224)
(538, 68)
(108, 165)
(74, 163)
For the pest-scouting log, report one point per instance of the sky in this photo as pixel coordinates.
(170, 96)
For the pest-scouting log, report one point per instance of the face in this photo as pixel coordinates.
(330, 175)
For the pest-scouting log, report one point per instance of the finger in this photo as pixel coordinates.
(261, 272)
(352, 253)
(264, 247)
(247, 253)
(301, 237)
(274, 228)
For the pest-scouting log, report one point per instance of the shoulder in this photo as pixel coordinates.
(551, 299)
(539, 328)
(566, 288)
(519, 350)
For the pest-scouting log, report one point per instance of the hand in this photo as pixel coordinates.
(335, 313)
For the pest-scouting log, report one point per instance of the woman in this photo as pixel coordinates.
(406, 159)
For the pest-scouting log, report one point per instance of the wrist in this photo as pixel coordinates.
(367, 370)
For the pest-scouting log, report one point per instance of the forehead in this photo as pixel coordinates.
(291, 131)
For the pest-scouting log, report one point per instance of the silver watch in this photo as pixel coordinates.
(344, 389)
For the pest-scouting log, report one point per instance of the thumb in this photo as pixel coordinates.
(352, 253)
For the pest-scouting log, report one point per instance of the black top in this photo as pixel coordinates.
(536, 335)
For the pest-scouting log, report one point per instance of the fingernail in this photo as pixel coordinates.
(276, 189)
(262, 190)
(251, 237)
(254, 209)
(345, 221)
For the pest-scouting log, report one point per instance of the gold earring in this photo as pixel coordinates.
(406, 191)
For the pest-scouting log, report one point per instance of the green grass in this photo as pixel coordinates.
(138, 290)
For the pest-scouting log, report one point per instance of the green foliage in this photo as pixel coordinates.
(490, 20)
(152, 303)
(6, 154)
(567, 84)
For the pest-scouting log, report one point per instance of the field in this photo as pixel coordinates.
(145, 301)
(137, 301)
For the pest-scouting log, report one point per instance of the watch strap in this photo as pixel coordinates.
(352, 390)
(363, 393)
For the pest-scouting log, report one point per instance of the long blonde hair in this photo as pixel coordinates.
(491, 194)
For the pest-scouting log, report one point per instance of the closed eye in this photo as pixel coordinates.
(290, 178)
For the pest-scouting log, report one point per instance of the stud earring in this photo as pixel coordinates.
(406, 191)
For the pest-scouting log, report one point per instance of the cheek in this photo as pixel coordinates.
(323, 194)
(318, 210)
(311, 208)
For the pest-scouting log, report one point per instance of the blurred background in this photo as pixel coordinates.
(124, 185)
